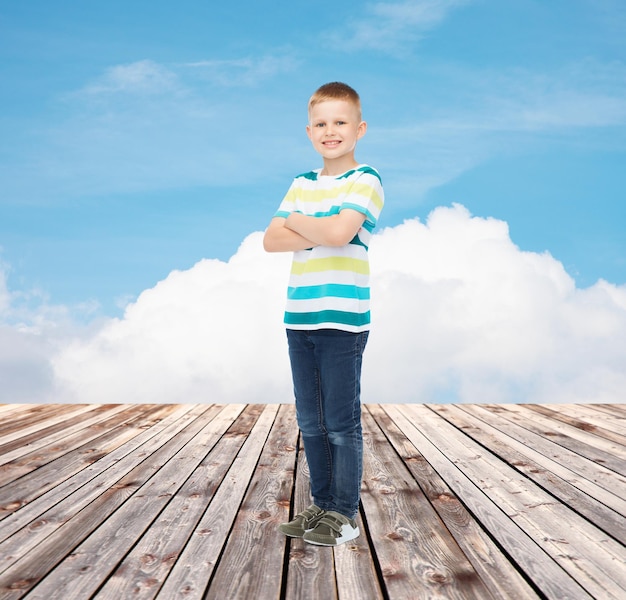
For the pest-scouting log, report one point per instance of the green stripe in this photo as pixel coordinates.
(338, 317)
(364, 169)
(335, 290)
(357, 242)
(371, 171)
(313, 176)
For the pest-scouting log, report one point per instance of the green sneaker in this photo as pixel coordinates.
(331, 530)
(302, 522)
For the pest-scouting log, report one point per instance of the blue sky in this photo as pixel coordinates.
(144, 146)
(140, 137)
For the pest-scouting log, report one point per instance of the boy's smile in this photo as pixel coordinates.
(334, 128)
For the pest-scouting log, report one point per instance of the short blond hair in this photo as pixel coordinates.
(335, 91)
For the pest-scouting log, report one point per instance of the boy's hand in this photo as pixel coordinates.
(279, 238)
(336, 230)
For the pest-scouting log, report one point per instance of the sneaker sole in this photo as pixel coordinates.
(355, 533)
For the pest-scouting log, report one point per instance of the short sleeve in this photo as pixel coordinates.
(366, 196)
(287, 206)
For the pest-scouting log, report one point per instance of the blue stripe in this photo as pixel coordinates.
(370, 220)
(334, 210)
(335, 290)
(328, 316)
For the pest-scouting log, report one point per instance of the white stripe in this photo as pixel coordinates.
(328, 303)
(322, 277)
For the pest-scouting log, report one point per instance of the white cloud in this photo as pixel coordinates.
(389, 27)
(470, 315)
(142, 77)
(208, 334)
(245, 71)
(460, 314)
(31, 332)
(5, 297)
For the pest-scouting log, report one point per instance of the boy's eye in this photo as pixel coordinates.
(319, 124)
(341, 122)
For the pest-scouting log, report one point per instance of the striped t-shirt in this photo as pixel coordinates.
(329, 286)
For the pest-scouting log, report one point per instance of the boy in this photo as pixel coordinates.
(326, 219)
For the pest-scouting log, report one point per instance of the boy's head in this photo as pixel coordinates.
(335, 91)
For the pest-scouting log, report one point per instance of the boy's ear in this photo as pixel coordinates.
(308, 131)
(361, 130)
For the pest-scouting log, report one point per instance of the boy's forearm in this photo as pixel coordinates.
(311, 228)
(335, 230)
(279, 238)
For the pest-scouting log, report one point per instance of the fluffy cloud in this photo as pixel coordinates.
(460, 314)
(28, 338)
(208, 334)
(463, 314)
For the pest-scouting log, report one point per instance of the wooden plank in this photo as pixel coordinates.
(54, 429)
(417, 555)
(83, 571)
(30, 568)
(14, 409)
(576, 545)
(32, 415)
(252, 563)
(61, 502)
(29, 460)
(355, 567)
(541, 469)
(569, 457)
(548, 577)
(599, 420)
(593, 447)
(27, 482)
(145, 568)
(310, 567)
(192, 571)
(546, 463)
(508, 499)
(556, 413)
(23, 439)
(617, 411)
(492, 565)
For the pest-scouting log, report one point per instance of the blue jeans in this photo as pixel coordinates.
(326, 371)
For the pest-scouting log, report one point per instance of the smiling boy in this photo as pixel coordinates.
(326, 219)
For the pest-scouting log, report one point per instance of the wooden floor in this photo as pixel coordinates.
(182, 501)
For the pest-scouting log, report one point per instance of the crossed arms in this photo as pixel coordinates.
(300, 232)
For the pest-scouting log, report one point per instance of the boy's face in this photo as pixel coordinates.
(334, 128)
